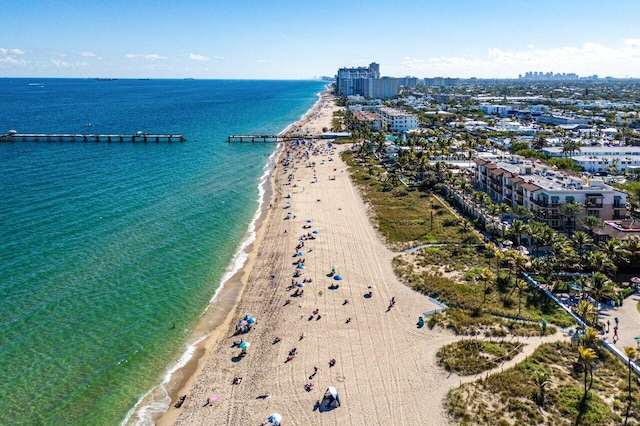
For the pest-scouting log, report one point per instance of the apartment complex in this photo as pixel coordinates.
(366, 81)
(541, 189)
(397, 120)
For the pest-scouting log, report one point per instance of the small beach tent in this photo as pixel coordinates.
(275, 419)
(331, 397)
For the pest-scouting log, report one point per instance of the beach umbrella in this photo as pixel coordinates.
(299, 284)
(251, 320)
(300, 254)
(288, 203)
(244, 345)
(300, 266)
(337, 277)
(275, 419)
(289, 212)
(334, 266)
(316, 231)
(308, 220)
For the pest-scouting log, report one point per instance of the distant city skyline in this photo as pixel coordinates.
(281, 39)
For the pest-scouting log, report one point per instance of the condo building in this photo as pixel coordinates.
(397, 120)
(541, 189)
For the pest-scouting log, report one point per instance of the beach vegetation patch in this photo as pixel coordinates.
(477, 290)
(405, 217)
(473, 356)
(547, 388)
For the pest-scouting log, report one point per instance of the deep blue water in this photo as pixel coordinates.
(103, 246)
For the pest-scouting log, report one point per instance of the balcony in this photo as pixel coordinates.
(539, 203)
(619, 205)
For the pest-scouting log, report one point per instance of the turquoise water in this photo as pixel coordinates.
(104, 246)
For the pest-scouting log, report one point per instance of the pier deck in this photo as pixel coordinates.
(267, 138)
(70, 137)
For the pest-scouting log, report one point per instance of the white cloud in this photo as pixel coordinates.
(9, 60)
(64, 64)
(262, 61)
(11, 52)
(152, 56)
(195, 57)
(589, 58)
(87, 54)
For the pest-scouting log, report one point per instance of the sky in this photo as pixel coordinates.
(303, 39)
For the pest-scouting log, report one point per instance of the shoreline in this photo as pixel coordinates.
(217, 316)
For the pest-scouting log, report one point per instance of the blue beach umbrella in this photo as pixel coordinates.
(308, 220)
(289, 212)
(251, 320)
(300, 266)
(275, 419)
(316, 231)
(244, 345)
(300, 254)
(337, 277)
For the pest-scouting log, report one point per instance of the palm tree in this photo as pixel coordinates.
(518, 261)
(521, 212)
(517, 229)
(600, 261)
(581, 243)
(602, 287)
(592, 223)
(570, 210)
(616, 251)
(586, 358)
(522, 285)
(532, 231)
(485, 276)
(585, 310)
(569, 146)
(590, 337)
(539, 142)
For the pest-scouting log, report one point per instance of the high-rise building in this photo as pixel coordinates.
(346, 78)
(366, 81)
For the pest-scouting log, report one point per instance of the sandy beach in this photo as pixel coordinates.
(385, 366)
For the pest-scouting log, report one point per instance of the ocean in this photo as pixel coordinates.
(110, 252)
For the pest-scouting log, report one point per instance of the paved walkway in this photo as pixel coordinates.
(629, 322)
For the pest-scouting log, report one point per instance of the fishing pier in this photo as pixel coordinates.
(70, 137)
(265, 138)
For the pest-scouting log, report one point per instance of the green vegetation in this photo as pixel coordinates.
(478, 324)
(480, 292)
(473, 356)
(406, 217)
(547, 389)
